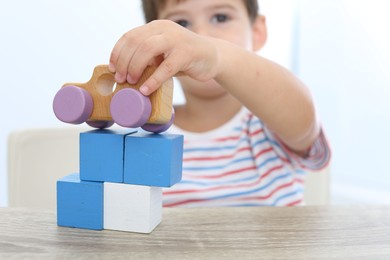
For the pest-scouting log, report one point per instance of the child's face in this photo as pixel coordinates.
(223, 19)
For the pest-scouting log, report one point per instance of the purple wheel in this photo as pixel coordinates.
(156, 128)
(73, 105)
(100, 124)
(129, 108)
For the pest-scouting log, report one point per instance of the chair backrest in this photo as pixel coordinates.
(37, 158)
(317, 187)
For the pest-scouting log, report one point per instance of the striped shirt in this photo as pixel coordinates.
(241, 164)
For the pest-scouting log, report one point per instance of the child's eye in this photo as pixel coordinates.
(220, 18)
(183, 23)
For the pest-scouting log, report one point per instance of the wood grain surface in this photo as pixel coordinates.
(343, 232)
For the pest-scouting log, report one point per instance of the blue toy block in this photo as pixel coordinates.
(102, 155)
(79, 203)
(153, 159)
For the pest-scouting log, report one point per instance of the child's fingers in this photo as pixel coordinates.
(122, 63)
(123, 57)
(124, 48)
(167, 69)
(145, 54)
(116, 52)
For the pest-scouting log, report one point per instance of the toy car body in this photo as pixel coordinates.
(101, 102)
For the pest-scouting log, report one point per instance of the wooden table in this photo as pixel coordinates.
(213, 233)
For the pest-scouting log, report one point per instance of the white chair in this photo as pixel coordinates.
(37, 158)
(317, 187)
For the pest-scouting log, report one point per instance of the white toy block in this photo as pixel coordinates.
(132, 208)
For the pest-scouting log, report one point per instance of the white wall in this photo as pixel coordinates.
(47, 43)
(344, 56)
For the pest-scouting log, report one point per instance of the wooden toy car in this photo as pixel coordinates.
(101, 102)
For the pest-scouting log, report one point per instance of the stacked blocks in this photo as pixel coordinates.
(149, 160)
(79, 203)
(102, 155)
(119, 186)
(132, 207)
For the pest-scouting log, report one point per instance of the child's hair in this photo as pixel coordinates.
(151, 8)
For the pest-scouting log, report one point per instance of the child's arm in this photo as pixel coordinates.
(271, 92)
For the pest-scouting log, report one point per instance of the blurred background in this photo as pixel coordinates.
(339, 48)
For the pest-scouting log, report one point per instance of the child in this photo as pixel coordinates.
(250, 126)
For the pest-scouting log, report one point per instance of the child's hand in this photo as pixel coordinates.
(176, 50)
